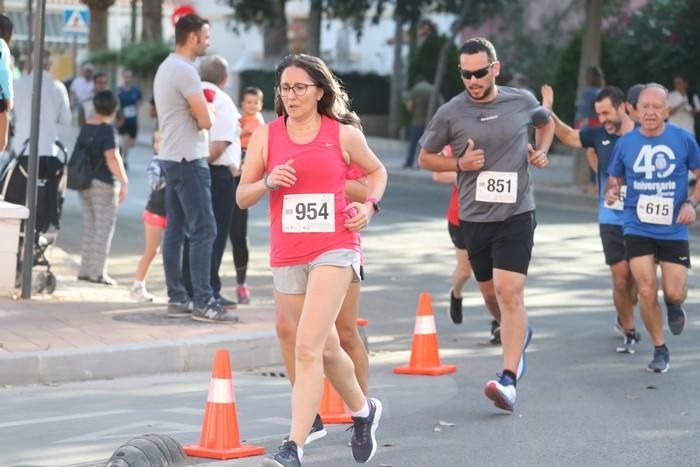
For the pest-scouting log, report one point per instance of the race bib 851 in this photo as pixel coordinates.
(497, 187)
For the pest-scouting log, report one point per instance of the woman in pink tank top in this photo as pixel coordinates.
(301, 160)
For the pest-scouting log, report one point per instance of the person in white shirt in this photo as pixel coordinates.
(82, 87)
(55, 110)
(224, 158)
(684, 105)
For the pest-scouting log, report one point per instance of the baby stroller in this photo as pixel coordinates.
(51, 186)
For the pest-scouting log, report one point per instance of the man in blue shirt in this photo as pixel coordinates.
(129, 100)
(655, 160)
(610, 108)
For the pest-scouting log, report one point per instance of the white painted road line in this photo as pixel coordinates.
(39, 421)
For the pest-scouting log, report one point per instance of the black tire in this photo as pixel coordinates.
(50, 283)
(39, 283)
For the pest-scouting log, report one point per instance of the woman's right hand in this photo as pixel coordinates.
(283, 175)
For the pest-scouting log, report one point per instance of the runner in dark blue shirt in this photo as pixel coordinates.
(128, 124)
(610, 107)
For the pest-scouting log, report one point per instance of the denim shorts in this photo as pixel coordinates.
(292, 280)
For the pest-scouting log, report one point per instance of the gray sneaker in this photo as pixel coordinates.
(226, 303)
(180, 310)
(628, 343)
(213, 312)
(660, 363)
(677, 318)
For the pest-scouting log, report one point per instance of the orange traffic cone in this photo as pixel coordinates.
(220, 438)
(333, 410)
(425, 354)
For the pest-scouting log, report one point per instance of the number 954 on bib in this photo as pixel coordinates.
(307, 213)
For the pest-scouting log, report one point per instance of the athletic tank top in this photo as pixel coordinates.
(308, 219)
(453, 208)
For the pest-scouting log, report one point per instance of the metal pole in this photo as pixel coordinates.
(33, 162)
(75, 55)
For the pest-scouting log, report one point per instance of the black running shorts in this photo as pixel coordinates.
(456, 236)
(503, 245)
(129, 127)
(613, 243)
(669, 251)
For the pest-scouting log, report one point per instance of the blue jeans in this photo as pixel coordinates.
(189, 212)
(414, 134)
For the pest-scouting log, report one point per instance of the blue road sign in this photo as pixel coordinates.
(76, 21)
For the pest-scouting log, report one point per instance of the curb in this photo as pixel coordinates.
(248, 350)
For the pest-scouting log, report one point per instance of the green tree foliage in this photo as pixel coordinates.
(424, 63)
(651, 44)
(564, 80)
(654, 43)
(142, 58)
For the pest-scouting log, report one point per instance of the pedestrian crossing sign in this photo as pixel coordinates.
(76, 21)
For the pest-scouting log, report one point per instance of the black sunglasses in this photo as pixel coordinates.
(466, 74)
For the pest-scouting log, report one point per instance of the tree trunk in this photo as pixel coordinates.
(396, 84)
(275, 40)
(313, 44)
(591, 42)
(152, 20)
(590, 56)
(134, 16)
(99, 25)
(442, 57)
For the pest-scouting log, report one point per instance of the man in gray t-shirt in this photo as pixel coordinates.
(183, 118)
(487, 129)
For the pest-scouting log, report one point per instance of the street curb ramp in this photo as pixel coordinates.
(249, 350)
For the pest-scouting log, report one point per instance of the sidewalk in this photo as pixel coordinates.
(87, 331)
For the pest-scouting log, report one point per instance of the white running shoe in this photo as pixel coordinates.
(140, 294)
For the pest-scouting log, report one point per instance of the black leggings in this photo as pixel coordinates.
(238, 234)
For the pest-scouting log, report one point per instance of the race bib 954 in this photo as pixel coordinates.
(308, 213)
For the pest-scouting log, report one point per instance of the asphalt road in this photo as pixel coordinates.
(580, 404)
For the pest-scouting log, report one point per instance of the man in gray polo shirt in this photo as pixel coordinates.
(183, 118)
(487, 129)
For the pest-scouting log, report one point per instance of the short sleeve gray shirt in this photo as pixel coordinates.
(180, 138)
(500, 128)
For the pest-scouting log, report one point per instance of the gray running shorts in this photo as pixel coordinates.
(292, 279)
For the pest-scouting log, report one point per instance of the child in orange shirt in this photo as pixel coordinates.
(251, 105)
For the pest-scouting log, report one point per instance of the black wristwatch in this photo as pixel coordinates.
(375, 203)
(690, 201)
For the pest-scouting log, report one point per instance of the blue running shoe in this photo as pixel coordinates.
(522, 366)
(661, 361)
(286, 456)
(364, 441)
(502, 392)
(677, 318)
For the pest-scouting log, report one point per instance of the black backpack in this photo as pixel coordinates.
(81, 168)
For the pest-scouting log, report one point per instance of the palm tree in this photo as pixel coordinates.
(152, 14)
(97, 38)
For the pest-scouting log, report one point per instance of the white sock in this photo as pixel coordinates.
(300, 452)
(139, 284)
(364, 412)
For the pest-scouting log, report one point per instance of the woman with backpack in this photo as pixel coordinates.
(97, 142)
